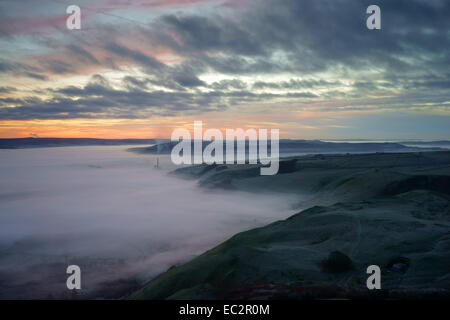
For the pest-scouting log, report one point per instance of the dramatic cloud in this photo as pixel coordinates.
(158, 59)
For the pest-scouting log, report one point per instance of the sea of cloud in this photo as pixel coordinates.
(88, 205)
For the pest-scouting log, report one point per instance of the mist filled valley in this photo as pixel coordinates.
(140, 227)
(114, 214)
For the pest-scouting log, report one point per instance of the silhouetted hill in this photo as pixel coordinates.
(19, 143)
(387, 209)
(287, 146)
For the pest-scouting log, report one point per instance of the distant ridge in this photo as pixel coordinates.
(164, 146)
(435, 143)
(287, 146)
(20, 143)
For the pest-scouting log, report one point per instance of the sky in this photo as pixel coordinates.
(140, 69)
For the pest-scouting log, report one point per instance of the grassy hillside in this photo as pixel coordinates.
(392, 210)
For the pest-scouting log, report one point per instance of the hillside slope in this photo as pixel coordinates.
(388, 210)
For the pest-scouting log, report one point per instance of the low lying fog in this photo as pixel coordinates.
(112, 213)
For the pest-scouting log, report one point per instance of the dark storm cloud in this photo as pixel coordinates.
(59, 67)
(22, 69)
(295, 84)
(134, 83)
(319, 34)
(184, 75)
(229, 84)
(98, 99)
(142, 59)
(82, 54)
(201, 33)
(237, 65)
(188, 80)
(315, 36)
(117, 104)
(307, 42)
(7, 89)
